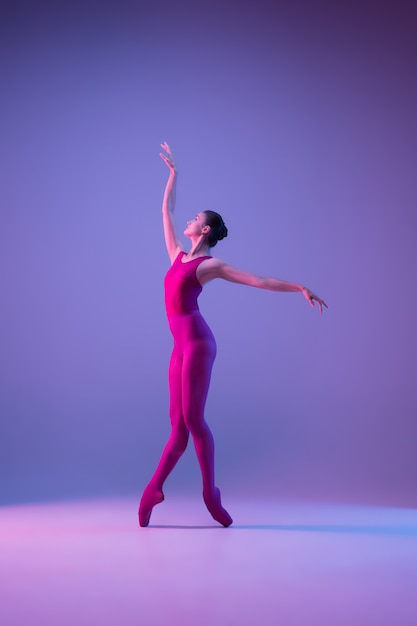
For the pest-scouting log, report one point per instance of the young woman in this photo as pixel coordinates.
(194, 345)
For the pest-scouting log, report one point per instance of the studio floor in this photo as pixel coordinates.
(281, 563)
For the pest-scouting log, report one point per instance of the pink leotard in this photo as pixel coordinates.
(182, 287)
(193, 338)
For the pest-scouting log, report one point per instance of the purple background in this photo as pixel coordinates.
(296, 121)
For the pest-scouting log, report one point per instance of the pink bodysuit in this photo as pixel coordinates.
(189, 379)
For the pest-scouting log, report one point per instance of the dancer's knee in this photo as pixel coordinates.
(196, 425)
(179, 439)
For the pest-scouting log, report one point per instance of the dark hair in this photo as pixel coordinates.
(218, 230)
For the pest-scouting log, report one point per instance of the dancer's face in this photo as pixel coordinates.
(195, 227)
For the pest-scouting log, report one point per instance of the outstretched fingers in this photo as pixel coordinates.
(320, 302)
(312, 298)
(168, 158)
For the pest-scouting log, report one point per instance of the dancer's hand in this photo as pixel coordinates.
(311, 297)
(168, 158)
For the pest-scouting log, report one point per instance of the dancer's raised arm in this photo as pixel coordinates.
(216, 268)
(168, 204)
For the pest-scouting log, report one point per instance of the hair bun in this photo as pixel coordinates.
(222, 232)
(217, 226)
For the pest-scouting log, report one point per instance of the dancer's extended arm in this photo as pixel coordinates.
(216, 268)
(168, 204)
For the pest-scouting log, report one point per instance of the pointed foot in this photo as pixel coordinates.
(150, 498)
(215, 508)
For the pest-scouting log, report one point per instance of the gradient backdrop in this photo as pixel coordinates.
(295, 120)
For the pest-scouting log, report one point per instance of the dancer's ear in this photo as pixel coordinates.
(206, 229)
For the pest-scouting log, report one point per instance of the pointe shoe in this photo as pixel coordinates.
(149, 499)
(215, 508)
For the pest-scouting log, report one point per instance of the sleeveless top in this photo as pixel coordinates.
(182, 287)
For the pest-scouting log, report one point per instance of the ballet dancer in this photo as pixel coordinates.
(194, 344)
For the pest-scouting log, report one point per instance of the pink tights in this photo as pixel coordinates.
(189, 379)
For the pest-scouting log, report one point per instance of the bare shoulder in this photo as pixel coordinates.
(217, 268)
(209, 269)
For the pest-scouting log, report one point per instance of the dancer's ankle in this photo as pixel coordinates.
(150, 498)
(212, 500)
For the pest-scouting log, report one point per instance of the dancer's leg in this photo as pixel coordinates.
(174, 448)
(197, 368)
(196, 374)
(178, 439)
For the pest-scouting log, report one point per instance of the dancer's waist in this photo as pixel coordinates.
(184, 315)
